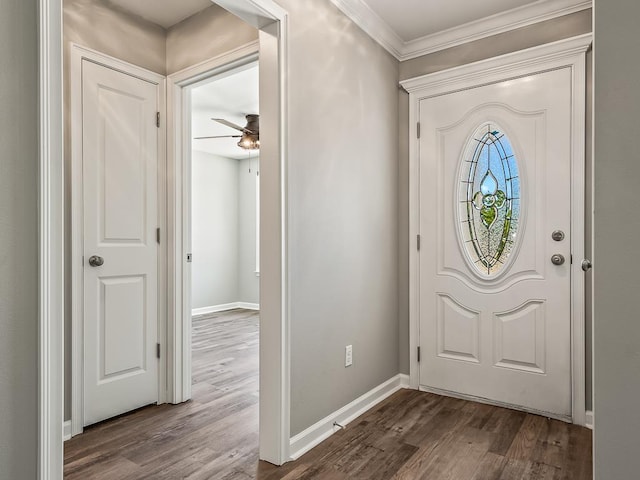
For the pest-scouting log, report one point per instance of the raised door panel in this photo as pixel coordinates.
(123, 162)
(520, 338)
(457, 331)
(123, 327)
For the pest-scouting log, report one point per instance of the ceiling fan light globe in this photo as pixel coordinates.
(249, 142)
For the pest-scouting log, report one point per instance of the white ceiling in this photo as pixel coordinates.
(230, 97)
(165, 13)
(412, 19)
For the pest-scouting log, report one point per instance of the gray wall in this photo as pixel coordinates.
(214, 231)
(343, 250)
(99, 25)
(248, 282)
(18, 239)
(190, 41)
(617, 229)
(223, 231)
(545, 32)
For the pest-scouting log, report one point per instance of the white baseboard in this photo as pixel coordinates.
(223, 307)
(249, 306)
(316, 433)
(66, 430)
(589, 420)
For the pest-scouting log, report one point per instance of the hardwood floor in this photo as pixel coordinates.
(421, 436)
(215, 435)
(410, 436)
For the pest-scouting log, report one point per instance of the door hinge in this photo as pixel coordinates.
(158, 350)
(418, 242)
(418, 354)
(418, 129)
(158, 119)
(158, 235)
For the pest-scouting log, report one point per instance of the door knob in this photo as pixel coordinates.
(586, 265)
(557, 259)
(96, 261)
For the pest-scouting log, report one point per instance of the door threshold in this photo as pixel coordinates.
(488, 401)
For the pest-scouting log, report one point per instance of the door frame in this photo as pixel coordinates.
(272, 21)
(77, 56)
(569, 53)
(179, 163)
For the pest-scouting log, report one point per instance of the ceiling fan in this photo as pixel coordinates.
(250, 138)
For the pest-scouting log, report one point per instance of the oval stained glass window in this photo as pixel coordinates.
(489, 199)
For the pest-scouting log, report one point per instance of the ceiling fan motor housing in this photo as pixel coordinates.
(253, 123)
(251, 137)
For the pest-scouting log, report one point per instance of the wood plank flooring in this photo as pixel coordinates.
(410, 436)
(215, 435)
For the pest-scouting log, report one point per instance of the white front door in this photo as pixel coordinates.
(495, 184)
(120, 217)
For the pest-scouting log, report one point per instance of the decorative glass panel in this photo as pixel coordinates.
(489, 199)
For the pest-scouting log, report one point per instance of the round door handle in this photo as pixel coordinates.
(96, 261)
(586, 265)
(557, 259)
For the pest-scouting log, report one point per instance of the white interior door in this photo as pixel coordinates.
(495, 184)
(120, 217)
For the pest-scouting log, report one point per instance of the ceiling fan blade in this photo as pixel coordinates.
(218, 136)
(231, 124)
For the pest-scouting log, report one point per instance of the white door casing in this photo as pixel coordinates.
(117, 168)
(272, 22)
(516, 337)
(179, 87)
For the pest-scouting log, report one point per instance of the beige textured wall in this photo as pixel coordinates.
(545, 32)
(206, 35)
(18, 239)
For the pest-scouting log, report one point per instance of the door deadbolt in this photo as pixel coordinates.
(557, 259)
(558, 235)
(96, 261)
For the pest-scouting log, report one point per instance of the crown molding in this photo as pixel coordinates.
(372, 24)
(540, 11)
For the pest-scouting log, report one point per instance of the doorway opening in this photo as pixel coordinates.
(225, 239)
